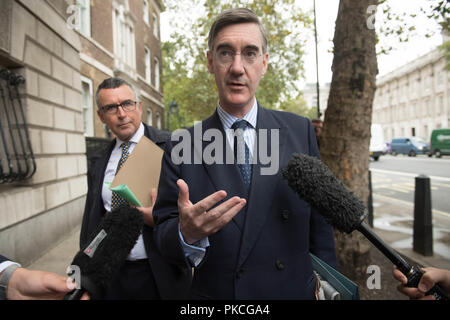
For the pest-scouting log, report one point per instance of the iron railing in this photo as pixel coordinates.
(17, 160)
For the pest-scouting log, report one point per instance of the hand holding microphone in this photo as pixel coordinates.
(316, 184)
(102, 259)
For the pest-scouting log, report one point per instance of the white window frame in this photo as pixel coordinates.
(158, 121)
(88, 110)
(157, 75)
(146, 12)
(84, 17)
(148, 65)
(149, 117)
(124, 36)
(155, 25)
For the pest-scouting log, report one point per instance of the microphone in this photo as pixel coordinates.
(311, 179)
(108, 248)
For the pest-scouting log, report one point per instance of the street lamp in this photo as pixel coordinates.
(173, 108)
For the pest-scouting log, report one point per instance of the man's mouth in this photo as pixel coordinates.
(236, 84)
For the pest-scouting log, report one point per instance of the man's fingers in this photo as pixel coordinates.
(183, 192)
(153, 194)
(208, 202)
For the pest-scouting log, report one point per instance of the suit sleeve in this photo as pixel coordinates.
(321, 242)
(165, 212)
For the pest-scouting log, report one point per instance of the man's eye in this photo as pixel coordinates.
(225, 53)
(250, 54)
(110, 107)
(127, 103)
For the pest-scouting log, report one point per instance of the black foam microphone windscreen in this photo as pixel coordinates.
(316, 184)
(108, 248)
(311, 179)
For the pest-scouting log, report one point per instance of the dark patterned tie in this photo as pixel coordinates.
(241, 152)
(116, 200)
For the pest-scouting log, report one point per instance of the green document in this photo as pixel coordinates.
(126, 193)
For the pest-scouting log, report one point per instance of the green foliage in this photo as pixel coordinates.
(186, 77)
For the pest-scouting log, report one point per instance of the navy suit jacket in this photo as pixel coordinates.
(263, 253)
(172, 281)
(3, 259)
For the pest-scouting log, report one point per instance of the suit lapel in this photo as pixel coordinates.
(263, 187)
(224, 176)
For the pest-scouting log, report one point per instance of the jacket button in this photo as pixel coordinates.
(279, 264)
(285, 214)
(239, 273)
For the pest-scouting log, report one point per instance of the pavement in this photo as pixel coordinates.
(393, 222)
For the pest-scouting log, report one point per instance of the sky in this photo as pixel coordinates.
(326, 12)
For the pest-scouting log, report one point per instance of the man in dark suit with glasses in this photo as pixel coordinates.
(145, 275)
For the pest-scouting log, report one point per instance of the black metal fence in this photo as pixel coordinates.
(17, 160)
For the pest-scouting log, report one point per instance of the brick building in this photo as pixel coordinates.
(63, 49)
(121, 38)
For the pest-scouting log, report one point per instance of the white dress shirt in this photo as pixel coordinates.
(196, 252)
(138, 251)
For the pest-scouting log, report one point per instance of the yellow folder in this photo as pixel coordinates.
(140, 173)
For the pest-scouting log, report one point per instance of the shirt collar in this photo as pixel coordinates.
(135, 138)
(228, 119)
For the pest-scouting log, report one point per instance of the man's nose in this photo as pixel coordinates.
(120, 112)
(237, 66)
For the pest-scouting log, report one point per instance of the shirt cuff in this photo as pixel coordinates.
(195, 252)
(6, 264)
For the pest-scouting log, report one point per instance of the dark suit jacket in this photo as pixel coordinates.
(3, 259)
(172, 281)
(263, 253)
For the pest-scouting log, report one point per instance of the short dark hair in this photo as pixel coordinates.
(113, 83)
(316, 120)
(235, 16)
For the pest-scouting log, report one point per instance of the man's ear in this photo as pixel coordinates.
(265, 63)
(101, 116)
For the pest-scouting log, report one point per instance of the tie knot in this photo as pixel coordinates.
(125, 146)
(240, 124)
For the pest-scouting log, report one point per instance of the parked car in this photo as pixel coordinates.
(409, 145)
(377, 146)
(440, 142)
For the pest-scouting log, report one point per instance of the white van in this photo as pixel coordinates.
(377, 146)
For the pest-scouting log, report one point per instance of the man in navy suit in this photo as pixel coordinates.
(145, 275)
(247, 234)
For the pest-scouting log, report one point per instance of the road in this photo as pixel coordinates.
(394, 177)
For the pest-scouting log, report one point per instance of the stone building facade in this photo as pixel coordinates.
(64, 49)
(36, 213)
(415, 98)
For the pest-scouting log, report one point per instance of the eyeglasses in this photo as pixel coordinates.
(127, 105)
(226, 56)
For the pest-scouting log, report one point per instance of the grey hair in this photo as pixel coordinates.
(113, 83)
(235, 16)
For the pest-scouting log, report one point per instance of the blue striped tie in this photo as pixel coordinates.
(243, 163)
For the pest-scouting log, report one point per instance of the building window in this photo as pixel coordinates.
(84, 17)
(155, 26)
(87, 101)
(158, 121)
(149, 117)
(124, 40)
(157, 74)
(148, 65)
(146, 17)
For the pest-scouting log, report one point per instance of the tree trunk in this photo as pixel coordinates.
(345, 139)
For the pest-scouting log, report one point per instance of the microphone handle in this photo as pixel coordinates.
(414, 277)
(75, 294)
(412, 273)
